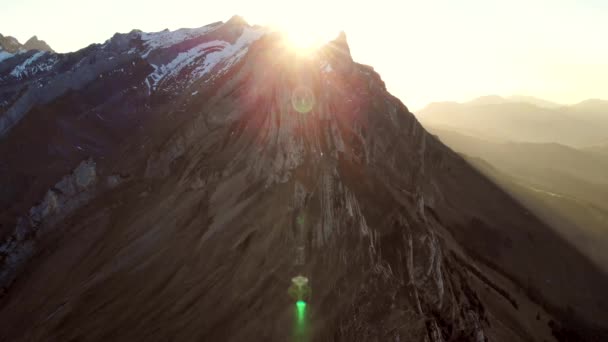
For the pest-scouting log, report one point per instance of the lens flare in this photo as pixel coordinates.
(302, 99)
(300, 332)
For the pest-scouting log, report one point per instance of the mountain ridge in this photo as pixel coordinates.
(11, 45)
(189, 175)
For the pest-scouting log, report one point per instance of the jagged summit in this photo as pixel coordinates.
(35, 44)
(179, 58)
(170, 185)
(237, 20)
(338, 48)
(342, 41)
(11, 45)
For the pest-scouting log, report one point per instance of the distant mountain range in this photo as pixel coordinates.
(551, 158)
(601, 149)
(523, 119)
(495, 99)
(10, 46)
(517, 157)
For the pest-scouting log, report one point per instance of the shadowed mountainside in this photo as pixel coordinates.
(567, 187)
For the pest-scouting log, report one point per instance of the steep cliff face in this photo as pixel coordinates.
(168, 186)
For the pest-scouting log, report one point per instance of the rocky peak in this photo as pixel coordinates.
(35, 44)
(237, 20)
(11, 45)
(342, 43)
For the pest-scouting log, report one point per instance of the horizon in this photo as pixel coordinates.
(447, 52)
(518, 99)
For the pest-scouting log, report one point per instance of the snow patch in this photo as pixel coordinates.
(180, 61)
(21, 68)
(210, 53)
(30, 66)
(164, 39)
(5, 55)
(232, 53)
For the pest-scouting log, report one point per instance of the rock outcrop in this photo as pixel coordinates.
(36, 44)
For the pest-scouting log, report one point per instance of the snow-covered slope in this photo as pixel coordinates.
(177, 59)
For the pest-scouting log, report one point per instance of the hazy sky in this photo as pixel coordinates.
(425, 50)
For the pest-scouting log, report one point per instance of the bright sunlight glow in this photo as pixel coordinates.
(307, 25)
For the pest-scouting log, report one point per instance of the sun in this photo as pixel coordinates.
(306, 24)
(301, 39)
(306, 39)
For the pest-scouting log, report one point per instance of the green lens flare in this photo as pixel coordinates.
(300, 291)
(301, 325)
(301, 315)
(302, 99)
